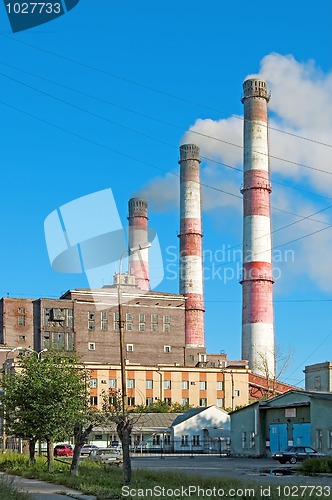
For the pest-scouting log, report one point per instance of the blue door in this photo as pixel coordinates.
(301, 435)
(278, 437)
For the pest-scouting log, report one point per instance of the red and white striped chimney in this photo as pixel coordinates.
(191, 269)
(257, 280)
(138, 236)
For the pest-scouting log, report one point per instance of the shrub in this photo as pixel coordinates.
(317, 465)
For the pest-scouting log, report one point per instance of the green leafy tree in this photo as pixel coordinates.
(45, 398)
(162, 407)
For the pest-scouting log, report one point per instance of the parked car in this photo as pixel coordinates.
(107, 455)
(295, 454)
(63, 450)
(87, 448)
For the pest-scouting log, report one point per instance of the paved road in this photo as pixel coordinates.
(262, 470)
(40, 490)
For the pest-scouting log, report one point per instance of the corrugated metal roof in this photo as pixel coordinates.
(145, 421)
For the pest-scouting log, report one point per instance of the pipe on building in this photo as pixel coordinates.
(257, 280)
(191, 268)
(138, 236)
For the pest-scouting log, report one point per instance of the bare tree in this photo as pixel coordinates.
(114, 411)
(280, 361)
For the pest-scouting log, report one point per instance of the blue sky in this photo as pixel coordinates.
(102, 98)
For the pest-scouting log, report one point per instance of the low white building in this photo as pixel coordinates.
(201, 430)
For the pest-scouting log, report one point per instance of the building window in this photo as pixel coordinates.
(58, 341)
(141, 327)
(22, 338)
(203, 385)
(131, 383)
(91, 346)
(154, 318)
(47, 315)
(220, 402)
(21, 320)
(129, 317)
(156, 439)
(185, 384)
(131, 401)
(168, 401)
(154, 327)
(70, 340)
(167, 439)
(166, 318)
(130, 347)
(70, 318)
(196, 440)
(94, 400)
(166, 328)
(202, 402)
(236, 393)
(142, 318)
(244, 440)
(149, 402)
(167, 384)
(116, 321)
(129, 327)
(91, 320)
(167, 348)
(46, 340)
(318, 384)
(184, 440)
(319, 439)
(149, 384)
(185, 401)
(93, 383)
(330, 439)
(220, 386)
(104, 320)
(112, 383)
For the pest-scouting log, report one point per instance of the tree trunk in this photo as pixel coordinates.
(80, 438)
(32, 447)
(50, 456)
(124, 427)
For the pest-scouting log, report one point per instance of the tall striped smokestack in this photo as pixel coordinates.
(191, 271)
(138, 236)
(257, 281)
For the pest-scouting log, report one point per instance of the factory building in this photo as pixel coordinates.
(164, 332)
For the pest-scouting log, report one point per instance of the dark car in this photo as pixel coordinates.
(63, 450)
(87, 448)
(295, 454)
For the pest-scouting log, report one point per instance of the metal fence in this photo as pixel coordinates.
(181, 447)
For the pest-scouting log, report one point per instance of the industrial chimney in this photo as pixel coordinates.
(257, 280)
(138, 236)
(191, 271)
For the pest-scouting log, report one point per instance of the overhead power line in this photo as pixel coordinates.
(148, 87)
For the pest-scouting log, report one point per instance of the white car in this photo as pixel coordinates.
(107, 455)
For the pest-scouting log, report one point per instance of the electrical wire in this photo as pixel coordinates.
(147, 87)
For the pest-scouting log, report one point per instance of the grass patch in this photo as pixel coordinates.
(9, 492)
(106, 481)
(317, 465)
